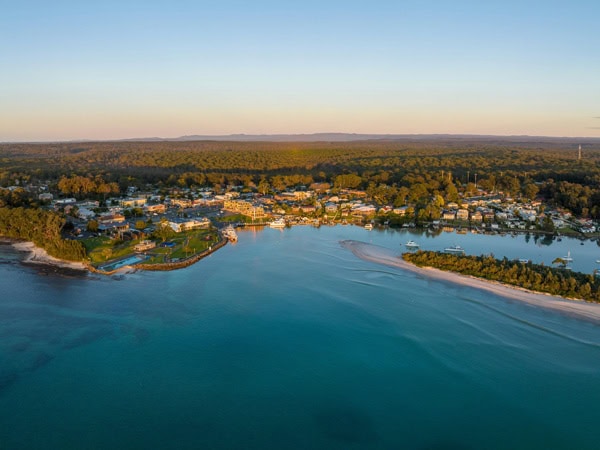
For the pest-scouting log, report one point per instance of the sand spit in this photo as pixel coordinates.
(38, 255)
(382, 255)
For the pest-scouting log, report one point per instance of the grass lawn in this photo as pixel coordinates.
(101, 249)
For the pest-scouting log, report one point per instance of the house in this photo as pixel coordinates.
(113, 227)
(364, 210)
(308, 209)
(85, 213)
(488, 216)
(144, 246)
(331, 208)
(111, 218)
(133, 202)
(462, 214)
(476, 216)
(65, 201)
(400, 211)
(449, 215)
(155, 209)
(181, 203)
(188, 225)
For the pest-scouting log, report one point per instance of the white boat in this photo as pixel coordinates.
(523, 260)
(411, 244)
(230, 234)
(568, 257)
(279, 223)
(454, 249)
(369, 226)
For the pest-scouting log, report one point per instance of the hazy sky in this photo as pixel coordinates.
(118, 69)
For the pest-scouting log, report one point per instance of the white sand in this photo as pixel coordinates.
(38, 255)
(382, 255)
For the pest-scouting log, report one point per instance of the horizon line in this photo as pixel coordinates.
(256, 137)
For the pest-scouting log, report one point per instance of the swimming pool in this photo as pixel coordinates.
(129, 261)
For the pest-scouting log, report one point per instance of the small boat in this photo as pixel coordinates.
(454, 249)
(369, 226)
(568, 257)
(523, 260)
(411, 244)
(279, 223)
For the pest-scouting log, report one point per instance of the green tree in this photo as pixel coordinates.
(92, 226)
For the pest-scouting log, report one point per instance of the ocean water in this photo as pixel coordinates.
(287, 340)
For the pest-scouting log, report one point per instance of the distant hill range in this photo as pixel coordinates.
(349, 137)
(449, 139)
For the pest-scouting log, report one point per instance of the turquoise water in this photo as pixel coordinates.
(287, 340)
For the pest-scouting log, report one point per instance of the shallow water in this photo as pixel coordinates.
(287, 340)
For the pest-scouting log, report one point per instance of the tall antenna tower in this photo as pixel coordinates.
(579, 154)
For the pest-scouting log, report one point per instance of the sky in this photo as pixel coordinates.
(125, 69)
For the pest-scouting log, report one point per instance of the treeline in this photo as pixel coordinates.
(42, 228)
(536, 277)
(386, 168)
(84, 185)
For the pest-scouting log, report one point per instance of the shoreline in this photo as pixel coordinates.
(382, 255)
(38, 255)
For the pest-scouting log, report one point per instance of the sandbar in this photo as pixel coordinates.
(385, 256)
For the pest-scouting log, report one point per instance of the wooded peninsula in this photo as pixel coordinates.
(535, 277)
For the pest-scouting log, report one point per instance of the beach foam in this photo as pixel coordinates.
(382, 255)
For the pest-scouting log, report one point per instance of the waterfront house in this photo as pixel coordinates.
(462, 214)
(400, 211)
(476, 216)
(144, 246)
(449, 215)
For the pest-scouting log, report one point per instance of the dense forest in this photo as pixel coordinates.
(536, 277)
(43, 228)
(392, 172)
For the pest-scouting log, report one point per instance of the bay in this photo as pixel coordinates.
(287, 340)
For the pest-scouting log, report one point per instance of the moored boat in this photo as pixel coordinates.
(230, 234)
(454, 249)
(411, 244)
(279, 223)
(369, 226)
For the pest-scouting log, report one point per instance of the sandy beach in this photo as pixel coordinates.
(382, 255)
(38, 255)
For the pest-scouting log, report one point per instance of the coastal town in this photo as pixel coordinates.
(172, 227)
